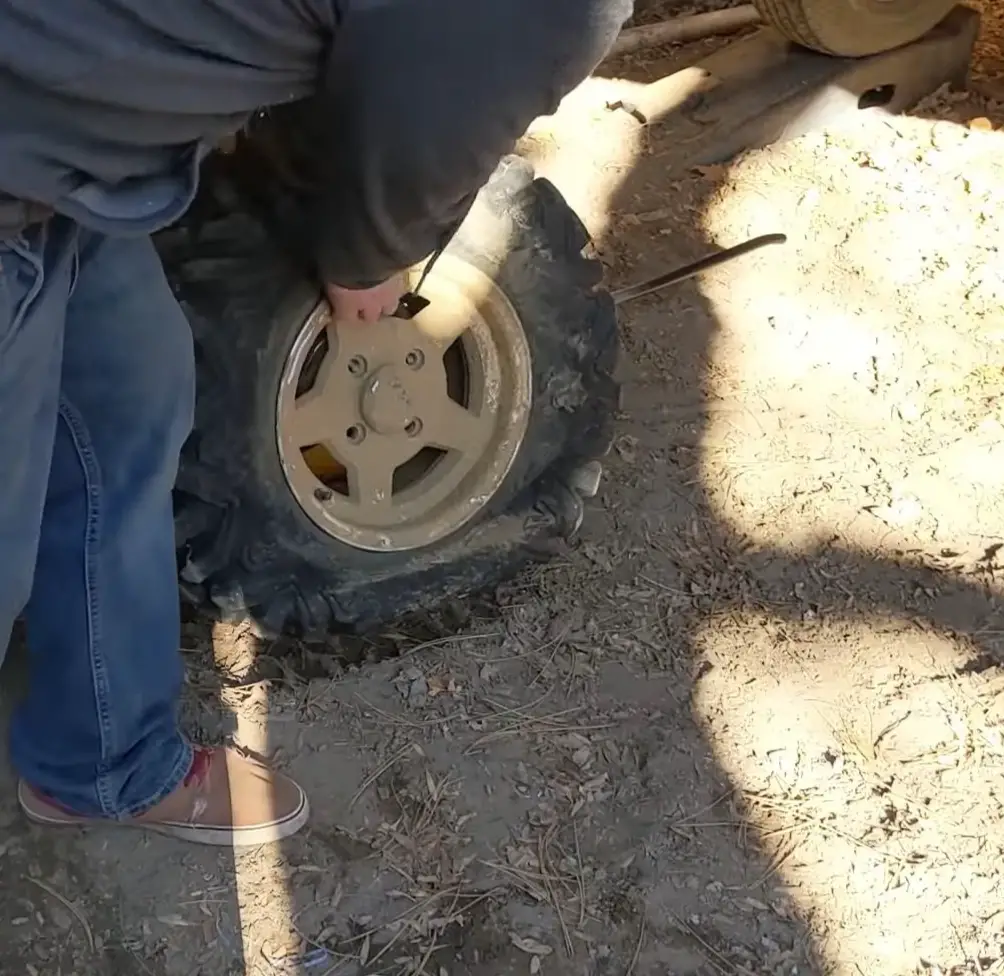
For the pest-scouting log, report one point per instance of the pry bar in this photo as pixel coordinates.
(643, 288)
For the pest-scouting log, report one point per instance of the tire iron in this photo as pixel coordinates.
(688, 271)
(412, 302)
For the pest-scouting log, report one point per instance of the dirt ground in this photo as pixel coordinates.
(752, 722)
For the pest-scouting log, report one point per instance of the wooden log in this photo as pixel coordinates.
(683, 29)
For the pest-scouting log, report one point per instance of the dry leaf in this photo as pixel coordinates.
(530, 946)
(438, 684)
(176, 921)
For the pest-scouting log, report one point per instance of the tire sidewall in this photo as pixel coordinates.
(536, 283)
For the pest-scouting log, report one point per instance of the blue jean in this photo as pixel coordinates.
(96, 400)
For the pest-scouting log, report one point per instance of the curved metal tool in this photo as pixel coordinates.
(632, 292)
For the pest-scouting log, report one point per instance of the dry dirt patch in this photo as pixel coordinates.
(751, 724)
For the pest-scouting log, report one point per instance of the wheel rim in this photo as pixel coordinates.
(394, 435)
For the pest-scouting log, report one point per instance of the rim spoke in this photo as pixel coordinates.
(451, 427)
(312, 419)
(442, 327)
(371, 481)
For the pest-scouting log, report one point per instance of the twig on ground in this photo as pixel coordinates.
(379, 771)
(518, 728)
(717, 960)
(522, 710)
(555, 645)
(408, 723)
(410, 910)
(808, 820)
(522, 879)
(545, 867)
(710, 806)
(69, 906)
(637, 946)
(453, 639)
(780, 856)
(580, 872)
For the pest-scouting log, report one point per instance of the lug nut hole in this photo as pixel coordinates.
(413, 428)
(415, 359)
(355, 434)
(357, 365)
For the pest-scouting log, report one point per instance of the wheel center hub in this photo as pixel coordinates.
(386, 403)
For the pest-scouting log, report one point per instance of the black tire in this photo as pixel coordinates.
(246, 549)
(853, 28)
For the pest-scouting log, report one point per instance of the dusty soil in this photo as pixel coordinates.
(751, 723)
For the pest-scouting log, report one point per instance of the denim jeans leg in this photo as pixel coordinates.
(98, 731)
(32, 308)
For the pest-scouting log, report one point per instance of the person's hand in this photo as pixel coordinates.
(367, 304)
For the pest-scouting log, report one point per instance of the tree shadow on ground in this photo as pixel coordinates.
(527, 780)
(651, 856)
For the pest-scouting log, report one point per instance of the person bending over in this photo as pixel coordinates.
(107, 109)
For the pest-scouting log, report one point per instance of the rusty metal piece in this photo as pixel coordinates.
(670, 94)
(421, 438)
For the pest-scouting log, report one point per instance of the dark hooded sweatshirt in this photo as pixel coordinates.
(108, 106)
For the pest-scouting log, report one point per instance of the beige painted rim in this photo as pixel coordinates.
(393, 436)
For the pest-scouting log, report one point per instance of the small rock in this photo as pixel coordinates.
(413, 687)
(627, 448)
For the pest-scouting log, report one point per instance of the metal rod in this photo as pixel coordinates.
(632, 292)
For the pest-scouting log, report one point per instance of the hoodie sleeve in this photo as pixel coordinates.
(419, 102)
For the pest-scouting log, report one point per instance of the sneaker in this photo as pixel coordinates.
(226, 800)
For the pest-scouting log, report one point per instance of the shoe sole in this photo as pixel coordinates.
(44, 816)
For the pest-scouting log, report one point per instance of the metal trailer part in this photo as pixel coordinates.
(762, 90)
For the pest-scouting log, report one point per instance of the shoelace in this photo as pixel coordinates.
(198, 774)
(198, 780)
